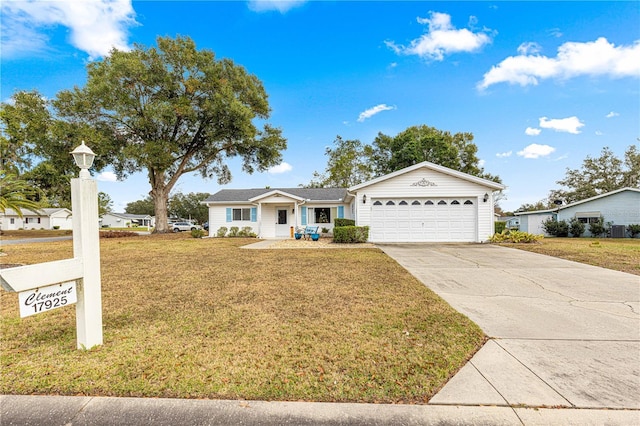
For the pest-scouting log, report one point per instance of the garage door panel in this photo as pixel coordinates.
(427, 220)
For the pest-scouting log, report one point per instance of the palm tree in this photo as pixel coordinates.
(13, 195)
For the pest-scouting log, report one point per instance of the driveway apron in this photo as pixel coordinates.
(563, 334)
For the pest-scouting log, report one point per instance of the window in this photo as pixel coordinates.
(468, 202)
(242, 214)
(13, 221)
(589, 219)
(391, 203)
(39, 220)
(455, 203)
(377, 203)
(428, 203)
(442, 203)
(415, 203)
(403, 203)
(322, 214)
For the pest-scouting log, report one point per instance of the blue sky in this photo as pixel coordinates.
(541, 85)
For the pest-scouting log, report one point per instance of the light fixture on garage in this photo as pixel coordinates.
(486, 197)
(364, 199)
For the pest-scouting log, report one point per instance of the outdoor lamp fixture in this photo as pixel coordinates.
(486, 197)
(364, 199)
(83, 156)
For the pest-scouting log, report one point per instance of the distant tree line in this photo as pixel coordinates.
(184, 206)
(597, 176)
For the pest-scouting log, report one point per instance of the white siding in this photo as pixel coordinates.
(532, 223)
(218, 218)
(427, 183)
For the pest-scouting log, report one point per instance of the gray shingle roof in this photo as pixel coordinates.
(309, 194)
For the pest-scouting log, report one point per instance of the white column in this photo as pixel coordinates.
(86, 246)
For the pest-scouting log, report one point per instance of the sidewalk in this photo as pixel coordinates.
(95, 411)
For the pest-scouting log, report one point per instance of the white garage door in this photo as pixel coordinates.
(423, 220)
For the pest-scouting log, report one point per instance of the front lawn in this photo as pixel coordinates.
(202, 318)
(34, 233)
(620, 254)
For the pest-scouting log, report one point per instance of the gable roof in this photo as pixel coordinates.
(577, 203)
(129, 215)
(434, 167)
(46, 211)
(248, 195)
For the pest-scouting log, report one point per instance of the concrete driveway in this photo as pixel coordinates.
(563, 334)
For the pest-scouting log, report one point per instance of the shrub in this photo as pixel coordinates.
(515, 236)
(118, 234)
(344, 222)
(633, 230)
(221, 232)
(233, 231)
(246, 231)
(197, 233)
(576, 228)
(325, 230)
(351, 234)
(555, 228)
(598, 227)
(500, 226)
(56, 227)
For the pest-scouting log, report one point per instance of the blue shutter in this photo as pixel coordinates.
(304, 216)
(254, 214)
(229, 214)
(340, 212)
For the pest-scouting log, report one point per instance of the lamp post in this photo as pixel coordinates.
(86, 246)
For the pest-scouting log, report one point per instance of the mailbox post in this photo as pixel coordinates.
(86, 246)
(69, 278)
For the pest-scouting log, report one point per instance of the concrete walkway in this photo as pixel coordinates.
(564, 334)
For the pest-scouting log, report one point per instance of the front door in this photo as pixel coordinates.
(282, 224)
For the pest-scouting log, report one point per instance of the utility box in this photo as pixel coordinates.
(617, 231)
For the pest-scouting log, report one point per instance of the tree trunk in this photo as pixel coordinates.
(160, 195)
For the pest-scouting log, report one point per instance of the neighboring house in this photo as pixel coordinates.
(45, 218)
(126, 220)
(422, 203)
(620, 208)
(511, 222)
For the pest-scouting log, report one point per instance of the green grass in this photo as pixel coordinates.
(202, 318)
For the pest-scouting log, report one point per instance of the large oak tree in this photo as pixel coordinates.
(171, 110)
(351, 162)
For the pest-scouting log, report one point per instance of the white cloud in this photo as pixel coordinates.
(599, 133)
(504, 154)
(569, 125)
(529, 48)
(280, 168)
(96, 26)
(107, 177)
(612, 114)
(555, 32)
(532, 131)
(441, 38)
(373, 111)
(573, 59)
(536, 151)
(282, 6)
